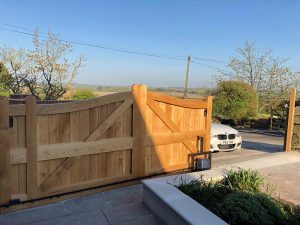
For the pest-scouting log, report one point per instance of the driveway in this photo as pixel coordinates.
(256, 144)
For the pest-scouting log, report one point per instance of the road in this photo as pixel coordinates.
(256, 144)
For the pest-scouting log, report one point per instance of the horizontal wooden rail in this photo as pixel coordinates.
(56, 151)
(48, 109)
(187, 103)
(165, 139)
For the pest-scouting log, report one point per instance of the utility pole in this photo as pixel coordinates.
(187, 77)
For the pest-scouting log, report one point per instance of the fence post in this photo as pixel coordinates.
(5, 193)
(208, 124)
(31, 145)
(139, 93)
(290, 125)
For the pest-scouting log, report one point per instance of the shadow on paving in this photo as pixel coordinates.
(264, 147)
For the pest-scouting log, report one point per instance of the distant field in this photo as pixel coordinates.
(175, 94)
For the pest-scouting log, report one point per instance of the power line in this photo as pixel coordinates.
(98, 46)
(77, 42)
(212, 67)
(209, 60)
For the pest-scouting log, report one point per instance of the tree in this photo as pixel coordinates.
(44, 71)
(17, 66)
(5, 79)
(264, 72)
(235, 100)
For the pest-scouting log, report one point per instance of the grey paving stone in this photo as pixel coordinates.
(86, 204)
(125, 197)
(145, 220)
(30, 216)
(89, 218)
(125, 213)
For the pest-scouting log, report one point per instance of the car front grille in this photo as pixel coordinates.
(231, 136)
(222, 137)
(223, 147)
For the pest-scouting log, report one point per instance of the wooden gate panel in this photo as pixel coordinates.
(104, 140)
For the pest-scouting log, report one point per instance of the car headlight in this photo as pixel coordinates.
(214, 136)
(238, 134)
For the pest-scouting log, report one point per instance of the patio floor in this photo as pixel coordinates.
(122, 206)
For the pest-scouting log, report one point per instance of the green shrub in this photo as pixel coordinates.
(235, 100)
(246, 208)
(83, 94)
(244, 180)
(292, 212)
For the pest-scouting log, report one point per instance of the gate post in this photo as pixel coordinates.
(139, 93)
(5, 194)
(290, 124)
(31, 145)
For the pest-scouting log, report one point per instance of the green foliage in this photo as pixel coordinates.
(244, 180)
(235, 100)
(292, 212)
(5, 79)
(83, 94)
(246, 208)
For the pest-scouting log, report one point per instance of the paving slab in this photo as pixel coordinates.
(86, 204)
(126, 213)
(90, 218)
(30, 216)
(119, 206)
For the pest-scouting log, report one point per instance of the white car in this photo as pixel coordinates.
(224, 138)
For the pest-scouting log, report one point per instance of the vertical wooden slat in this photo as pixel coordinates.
(208, 124)
(84, 131)
(21, 144)
(74, 137)
(4, 153)
(290, 126)
(139, 93)
(31, 144)
(111, 132)
(93, 159)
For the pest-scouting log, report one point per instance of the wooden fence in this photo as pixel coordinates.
(59, 148)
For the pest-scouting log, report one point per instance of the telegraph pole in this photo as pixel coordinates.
(187, 77)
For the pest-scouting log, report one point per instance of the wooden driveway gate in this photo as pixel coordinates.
(49, 149)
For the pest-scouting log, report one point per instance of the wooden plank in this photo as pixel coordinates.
(46, 109)
(208, 120)
(127, 129)
(139, 93)
(111, 132)
(43, 139)
(93, 159)
(31, 144)
(110, 120)
(119, 154)
(187, 103)
(289, 130)
(169, 123)
(164, 139)
(84, 131)
(64, 125)
(74, 137)
(5, 191)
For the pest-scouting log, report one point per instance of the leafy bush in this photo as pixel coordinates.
(235, 100)
(292, 212)
(246, 208)
(244, 180)
(83, 94)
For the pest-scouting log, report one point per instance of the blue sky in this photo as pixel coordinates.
(208, 29)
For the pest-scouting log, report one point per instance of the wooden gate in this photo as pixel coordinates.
(49, 149)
